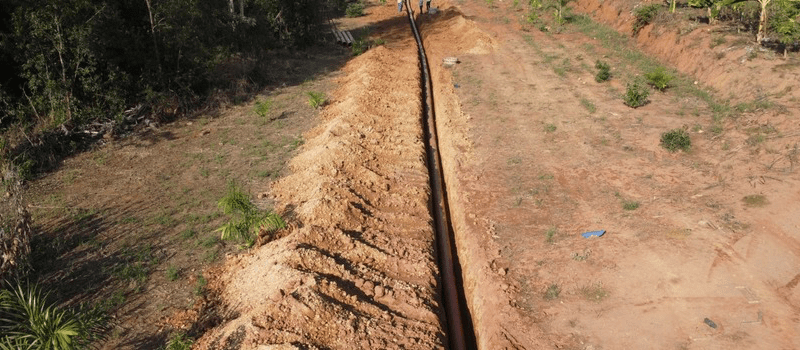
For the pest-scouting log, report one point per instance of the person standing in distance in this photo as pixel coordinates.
(428, 4)
(399, 6)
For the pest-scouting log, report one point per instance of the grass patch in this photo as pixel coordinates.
(755, 200)
(262, 108)
(588, 105)
(200, 286)
(552, 292)
(676, 139)
(550, 235)
(595, 292)
(173, 273)
(630, 205)
(550, 128)
(179, 341)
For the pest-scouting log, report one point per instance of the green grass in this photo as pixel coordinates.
(262, 108)
(550, 235)
(588, 105)
(549, 128)
(200, 286)
(179, 341)
(675, 140)
(643, 16)
(173, 273)
(245, 219)
(552, 292)
(630, 205)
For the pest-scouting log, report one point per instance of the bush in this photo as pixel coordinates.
(355, 9)
(603, 71)
(644, 15)
(676, 139)
(247, 220)
(29, 321)
(659, 78)
(636, 95)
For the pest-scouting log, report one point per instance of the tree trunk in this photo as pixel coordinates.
(230, 6)
(241, 8)
(153, 34)
(762, 21)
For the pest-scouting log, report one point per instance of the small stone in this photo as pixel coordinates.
(379, 291)
(368, 288)
(502, 271)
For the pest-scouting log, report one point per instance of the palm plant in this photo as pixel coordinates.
(246, 219)
(29, 321)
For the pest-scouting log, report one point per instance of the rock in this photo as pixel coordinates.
(379, 291)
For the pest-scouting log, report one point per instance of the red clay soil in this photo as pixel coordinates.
(533, 156)
(357, 269)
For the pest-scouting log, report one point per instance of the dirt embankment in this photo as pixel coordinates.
(735, 66)
(357, 270)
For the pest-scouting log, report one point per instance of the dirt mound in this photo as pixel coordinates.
(358, 271)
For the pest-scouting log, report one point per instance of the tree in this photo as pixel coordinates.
(786, 23)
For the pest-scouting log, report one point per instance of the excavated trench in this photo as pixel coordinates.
(459, 323)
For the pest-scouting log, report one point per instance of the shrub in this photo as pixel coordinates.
(552, 292)
(630, 205)
(636, 95)
(603, 71)
(355, 9)
(316, 99)
(676, 139)
(29, 321)
(644, 15)
(659, 78)
(179, 341)
(246, 219)
(359, 46)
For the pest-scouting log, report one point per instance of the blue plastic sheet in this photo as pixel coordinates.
(593, 233)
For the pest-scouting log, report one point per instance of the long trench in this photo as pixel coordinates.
(460, 333)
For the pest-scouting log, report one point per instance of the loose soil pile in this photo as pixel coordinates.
(357, 269)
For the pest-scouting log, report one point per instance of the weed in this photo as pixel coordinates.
(603, 71)
(550, 128)
(594, 292)
(635, 95)
(204, 172)
(676, 139)
(179, 341)
(756, 139)
(200, 286)
(246, 220)
(359, 46)
(552, 292)
(208, 241)
(659, 78)
(188, 233)
(263, 108)
(211, 256)
(588, 105)
(514, 160)
(644, 16)
(173, 273)
(355, 9)
(316, 99)
(717, 41)
(630, 205)
(550, 235)
(755, 200)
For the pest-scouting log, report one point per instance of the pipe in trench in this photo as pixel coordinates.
(453, 311)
